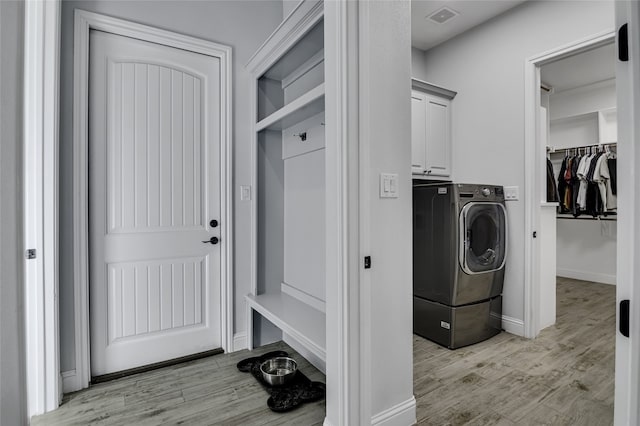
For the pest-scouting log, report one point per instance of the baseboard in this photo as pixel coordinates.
(400, 414)
(513, 325)
(587, 276)
(239, 341)
(70, 381)
(316, 361)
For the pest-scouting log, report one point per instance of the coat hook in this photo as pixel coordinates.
(302, 136)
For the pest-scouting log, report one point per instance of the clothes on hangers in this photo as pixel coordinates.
(586, 183)
(552, 189)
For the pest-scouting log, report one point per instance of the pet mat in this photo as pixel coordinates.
(283, 398)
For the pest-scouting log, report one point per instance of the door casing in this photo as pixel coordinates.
(84, 22)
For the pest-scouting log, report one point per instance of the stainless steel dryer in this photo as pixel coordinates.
(459, 252)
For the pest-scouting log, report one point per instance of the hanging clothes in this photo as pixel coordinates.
(613, 169)
(575, 185)
(562, 184)
(552, 190)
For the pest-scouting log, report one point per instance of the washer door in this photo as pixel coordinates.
(482, 237)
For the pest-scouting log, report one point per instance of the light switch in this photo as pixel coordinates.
(245, 192)
(388, 185)
(511, 193)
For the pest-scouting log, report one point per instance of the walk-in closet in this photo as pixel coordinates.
(578, 96)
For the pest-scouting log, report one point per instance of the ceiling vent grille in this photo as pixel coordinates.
(442, 15)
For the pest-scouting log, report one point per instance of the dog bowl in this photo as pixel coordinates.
(278, 371)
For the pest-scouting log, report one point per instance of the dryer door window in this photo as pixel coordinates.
(482, 235)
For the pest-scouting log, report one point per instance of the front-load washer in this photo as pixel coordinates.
(459, 253)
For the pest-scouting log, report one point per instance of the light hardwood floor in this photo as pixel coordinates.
(564, 377)
(209, 391)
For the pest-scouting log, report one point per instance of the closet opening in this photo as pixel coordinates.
(578, 223)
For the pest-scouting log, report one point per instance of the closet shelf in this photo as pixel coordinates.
(611, 216)
(295, 318)
(307, 105)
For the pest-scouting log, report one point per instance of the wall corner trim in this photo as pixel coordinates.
(403, 413)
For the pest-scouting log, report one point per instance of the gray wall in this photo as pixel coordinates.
(244, 26)
(418, 64)
(12, 374)
(486, 67)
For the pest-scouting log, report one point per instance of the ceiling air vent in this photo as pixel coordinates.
(442, 15)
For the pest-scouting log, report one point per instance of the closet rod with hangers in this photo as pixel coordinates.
(566, 150)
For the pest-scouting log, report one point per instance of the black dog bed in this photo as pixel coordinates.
(284, 398)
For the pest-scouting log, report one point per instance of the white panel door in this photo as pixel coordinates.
(418, 131)
(438, 146)
(154, 138)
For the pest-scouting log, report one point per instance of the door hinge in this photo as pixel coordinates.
(30, 254)
(623, 43)
(535, 234)
(624, 318)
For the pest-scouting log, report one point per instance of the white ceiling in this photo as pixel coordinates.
(426, 34)
(582, 69)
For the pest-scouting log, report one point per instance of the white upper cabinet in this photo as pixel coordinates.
(430, 130)
(418, 131)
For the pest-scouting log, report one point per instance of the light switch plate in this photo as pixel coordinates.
(511, 193)
(388, 185)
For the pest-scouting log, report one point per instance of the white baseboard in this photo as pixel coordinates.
(327, 422)
(316, 361)
(239, 341)
(587, 276)
(70, 381)
(513, 325)
(402, 414)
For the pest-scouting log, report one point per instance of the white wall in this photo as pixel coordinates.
(586, 250)
(12, 374)
(386, 222)
(486, 67)
(583, 99)
(418, 64)
(244, 25)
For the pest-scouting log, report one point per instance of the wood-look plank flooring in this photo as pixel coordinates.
(563, 377)
(208, 391)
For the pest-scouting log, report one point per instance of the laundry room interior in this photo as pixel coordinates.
(427, 238)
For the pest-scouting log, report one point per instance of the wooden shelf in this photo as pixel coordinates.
(295, 318)
(306, 106)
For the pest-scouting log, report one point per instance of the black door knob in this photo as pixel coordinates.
(213, 223)
(213, 240)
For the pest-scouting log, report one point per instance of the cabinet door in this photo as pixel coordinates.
(418, 131)
(438, 136)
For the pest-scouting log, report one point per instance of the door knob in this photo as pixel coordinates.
(213, 240)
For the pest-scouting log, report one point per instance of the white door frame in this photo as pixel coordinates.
(84, 22)
(40, 156)
(535, 167)
(627, 384)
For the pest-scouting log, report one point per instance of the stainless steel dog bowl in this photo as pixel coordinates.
(278, 371)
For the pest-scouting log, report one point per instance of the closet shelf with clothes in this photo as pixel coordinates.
(587, 181)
